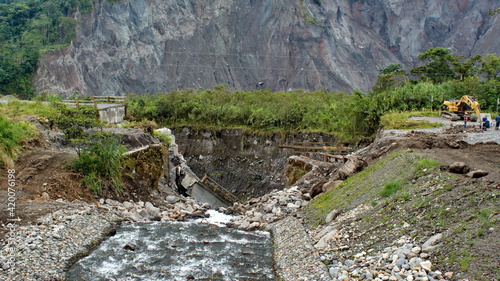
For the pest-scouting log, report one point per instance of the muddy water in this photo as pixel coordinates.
(178, 251)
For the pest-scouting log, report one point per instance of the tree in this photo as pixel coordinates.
(439, 67)
(468, 68)
(389, 77)
(491, 66)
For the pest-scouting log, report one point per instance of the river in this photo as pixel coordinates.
(197, 250)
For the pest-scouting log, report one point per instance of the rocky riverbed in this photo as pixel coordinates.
(45, 250)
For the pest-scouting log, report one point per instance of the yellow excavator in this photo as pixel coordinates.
(456, 109)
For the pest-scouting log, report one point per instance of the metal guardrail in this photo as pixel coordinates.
(322, 149)
(98, 99)
(217, 188)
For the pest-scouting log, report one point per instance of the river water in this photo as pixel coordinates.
(196, 250)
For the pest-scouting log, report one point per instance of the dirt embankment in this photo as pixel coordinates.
(45, 181)
(429, 201)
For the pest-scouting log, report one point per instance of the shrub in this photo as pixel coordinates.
(166, 140)
(73, 121)
(12, 136)
(100, 160)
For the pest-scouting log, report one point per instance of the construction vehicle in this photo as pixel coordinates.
(456, 109)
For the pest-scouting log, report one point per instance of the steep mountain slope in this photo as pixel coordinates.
(144, 46)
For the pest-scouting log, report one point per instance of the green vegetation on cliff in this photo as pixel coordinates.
(27, 29)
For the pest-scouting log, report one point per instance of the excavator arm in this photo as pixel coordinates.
(458, 108)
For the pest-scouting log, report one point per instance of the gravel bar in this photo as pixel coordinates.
(45, 250)
(294, 256)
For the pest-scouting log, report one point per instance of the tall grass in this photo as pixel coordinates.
(12, 135)
(101, 162)
(17, 110)
(390, 188)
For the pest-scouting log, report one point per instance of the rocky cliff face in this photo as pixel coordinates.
(139, 46)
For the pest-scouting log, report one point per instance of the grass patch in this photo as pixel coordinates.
(403, 196)
(390, 188)
(18, 110)
(399, 120)
(465, 261)
(361, 188)
(12, 135)
(427, 163)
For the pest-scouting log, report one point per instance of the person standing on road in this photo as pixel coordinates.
(466, 118)
(486, 123)
(497, 122)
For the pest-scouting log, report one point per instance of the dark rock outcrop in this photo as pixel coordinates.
(139, 46)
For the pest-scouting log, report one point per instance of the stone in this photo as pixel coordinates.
(45, 196)
(330, 185)
(415, 263)
(306, 196)
(172, 199)
(458, 168)
(334, 272)
(416, 250)
(332, 215)
(349, 263)
(131, 215)
(410, 255)
(128, 205)
(400, 262)
(428, 245)
(324, 241)
(152, 211)
(353, 165)
(477, 174)
(257, 217)
(426, 265)
(343, 278)
(112, 202)
(130, 247)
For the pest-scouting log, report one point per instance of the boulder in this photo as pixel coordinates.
(477, 174)
(353, 165)
(152, 212)
(458, 168)
(331, 185)
(429, 244)
(332, 215)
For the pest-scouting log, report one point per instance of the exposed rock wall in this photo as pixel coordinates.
(139, 46)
